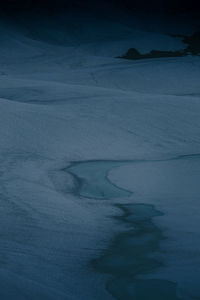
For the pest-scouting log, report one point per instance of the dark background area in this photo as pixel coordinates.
(165, 6)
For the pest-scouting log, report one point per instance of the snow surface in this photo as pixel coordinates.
(173, 187)
(64, 97)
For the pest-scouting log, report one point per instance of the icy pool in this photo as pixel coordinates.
(93, 182)
(129, 255)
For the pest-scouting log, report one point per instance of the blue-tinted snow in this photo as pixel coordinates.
(65, 98)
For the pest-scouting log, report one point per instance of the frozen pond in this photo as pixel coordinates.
(137, 253)
(93, 182)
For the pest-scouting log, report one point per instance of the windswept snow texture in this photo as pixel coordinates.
(65, 98)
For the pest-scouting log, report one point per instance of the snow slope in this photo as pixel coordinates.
(64, 98)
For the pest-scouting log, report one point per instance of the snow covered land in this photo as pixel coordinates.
(98, 152)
